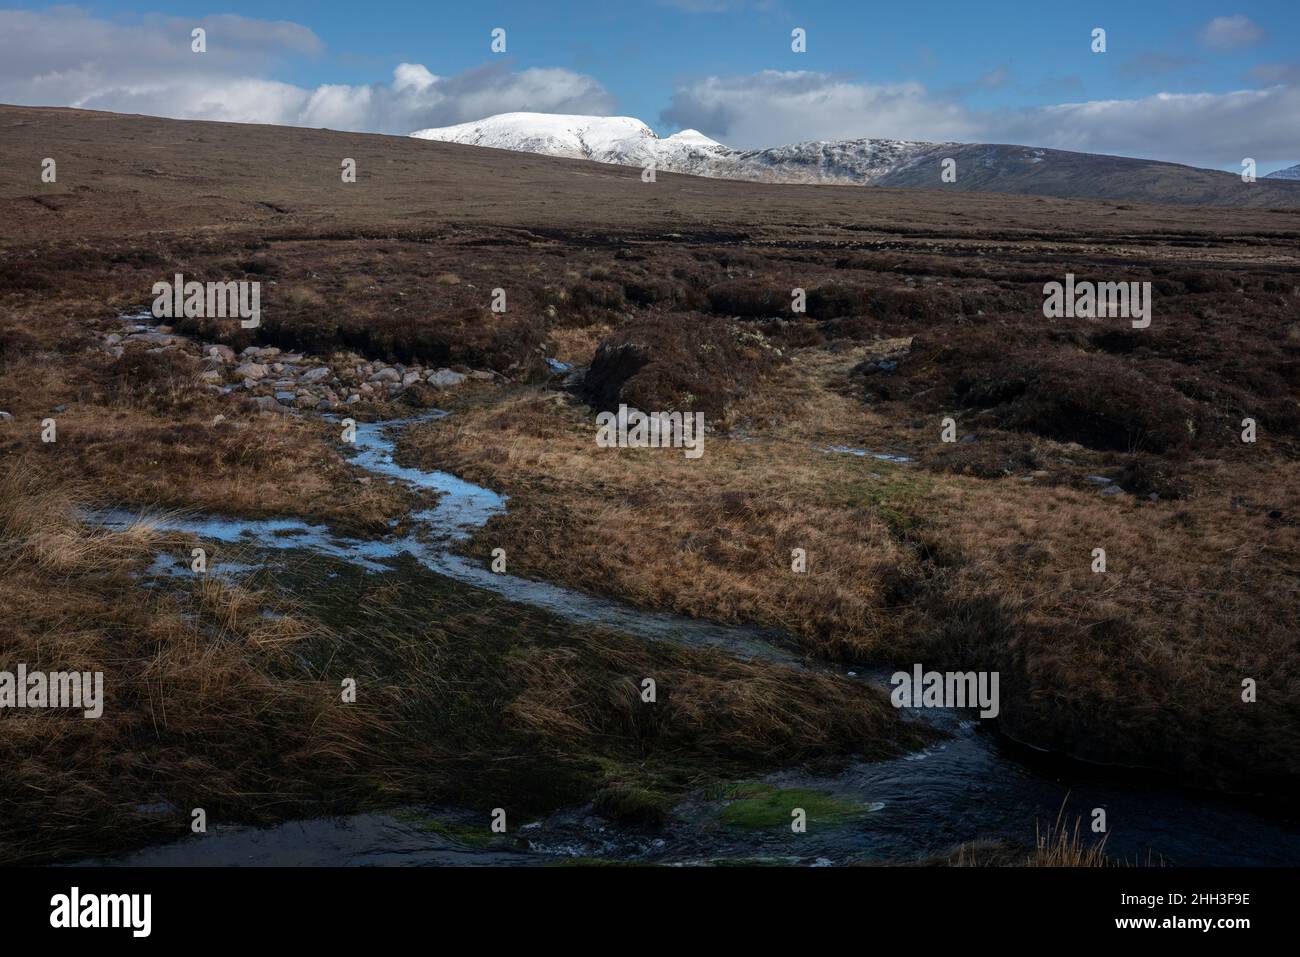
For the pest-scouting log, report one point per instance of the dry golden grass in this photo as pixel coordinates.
(196, 708)
(219, 696)
(577, 344)
(1142, 665)
(711, 537)
(1059, 845)
(1063, 846)
(212, 703)
(171, 452)
(303, 296)
(588, 690)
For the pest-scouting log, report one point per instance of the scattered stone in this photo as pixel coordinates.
(251, 370)
(279, 381)
(445, 379)
(267, 403)
(1111, 490)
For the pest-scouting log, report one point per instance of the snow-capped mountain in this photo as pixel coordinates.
(626, 141)
(979, 167)
(605, 139)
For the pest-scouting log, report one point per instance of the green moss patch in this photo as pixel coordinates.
(755, 805)
(458, 831)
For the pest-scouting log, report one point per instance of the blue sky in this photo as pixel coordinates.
(999, 71)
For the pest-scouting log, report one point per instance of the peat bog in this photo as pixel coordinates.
(1071, 435)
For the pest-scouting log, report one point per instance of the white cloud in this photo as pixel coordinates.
(1231, 33)
(412, 76)
(1204, 129)
(775, 107)
(1208, 129)
(66, 57)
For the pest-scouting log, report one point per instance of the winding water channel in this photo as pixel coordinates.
(969, 785)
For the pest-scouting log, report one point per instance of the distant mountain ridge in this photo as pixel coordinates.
(626, 141)
(1291, 172)
(980, 167)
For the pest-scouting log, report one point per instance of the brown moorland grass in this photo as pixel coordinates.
(976, 556)
(1142, 665)
(199, 710)
(137, 432)
(225, 696)
(1058, 846)
(712, 540)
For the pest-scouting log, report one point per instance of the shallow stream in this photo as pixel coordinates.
(967, 786)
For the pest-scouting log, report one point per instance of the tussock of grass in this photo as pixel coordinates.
(630, 804)
(713, 536)
(1063, 846)
(203, 706)
(1060, 845)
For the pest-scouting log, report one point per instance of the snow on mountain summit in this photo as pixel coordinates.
(984, 167)
(694, 137)
(627, 141)
(605, 139)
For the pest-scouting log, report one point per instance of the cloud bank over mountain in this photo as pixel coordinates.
(69, 57)
(772, 107)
